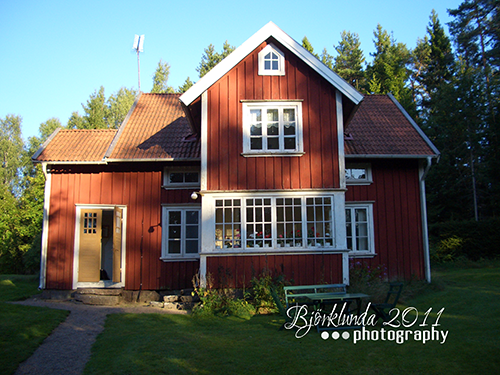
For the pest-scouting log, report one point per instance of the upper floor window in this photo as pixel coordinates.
(271, 61)
(272, 128)
(358, 173)
(181, 178)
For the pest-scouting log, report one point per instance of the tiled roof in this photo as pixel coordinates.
(86, 145)
(380, 128)
(156, 129)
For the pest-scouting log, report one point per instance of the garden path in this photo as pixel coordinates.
(67, 349)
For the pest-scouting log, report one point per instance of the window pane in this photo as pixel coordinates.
(174, 247)
(174, 217)
(267, 65)
(272, 128)
(273, 143)
(174, 231)
(361, 214)
(255, 115)
(192, 217)
(275, 65)
(176, 178)
(256, 129)
(192, 247)
(290, 129)
(192, 231)
(272, 115)
(288, 114)
(256, 143)
(290, 143)
(191, 177)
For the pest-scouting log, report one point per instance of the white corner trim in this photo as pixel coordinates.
(425, 233)
(45, 227)
(204, 145)
(340, 139)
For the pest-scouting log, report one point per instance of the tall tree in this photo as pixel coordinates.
(160, 79)
(96, 111)
(388, 72)
(11, 146)
(349, 60)
(308, 46)
(211, 58)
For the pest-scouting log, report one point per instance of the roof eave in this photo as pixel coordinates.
(390, 156)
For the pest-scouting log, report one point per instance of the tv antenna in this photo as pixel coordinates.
(138, 46)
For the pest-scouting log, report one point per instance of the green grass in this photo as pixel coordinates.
(22, 328)
(178, 344)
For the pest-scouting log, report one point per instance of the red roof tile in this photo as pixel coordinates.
(379, 128)
(156, 129)
(86, 145)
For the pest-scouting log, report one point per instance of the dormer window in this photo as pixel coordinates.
(271, 61)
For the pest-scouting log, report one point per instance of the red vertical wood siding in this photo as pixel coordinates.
(397, 217)
(141, 192)
(229, 170)
(238, 271)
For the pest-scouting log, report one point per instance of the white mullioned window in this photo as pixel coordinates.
(180, 232)
(271, 61)
(358, 173)
(261, 222)
(272, 128)
(359, 228)
(174, 178)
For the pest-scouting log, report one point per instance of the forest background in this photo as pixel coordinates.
(448, 82)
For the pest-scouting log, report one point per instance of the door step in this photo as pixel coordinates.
(97, 296)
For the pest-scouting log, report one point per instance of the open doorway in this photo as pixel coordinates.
(99, 247)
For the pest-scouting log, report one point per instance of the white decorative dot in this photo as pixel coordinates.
(346, 335)
(335, 335)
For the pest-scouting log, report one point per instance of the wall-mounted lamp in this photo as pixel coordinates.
(194, 195)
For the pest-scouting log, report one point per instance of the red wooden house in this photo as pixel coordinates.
(270, 162)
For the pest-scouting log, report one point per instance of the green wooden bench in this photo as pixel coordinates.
(309, 294)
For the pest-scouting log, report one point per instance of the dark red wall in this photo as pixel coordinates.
(397, 218)
(238, 271)
(229, 170)
(141, 192)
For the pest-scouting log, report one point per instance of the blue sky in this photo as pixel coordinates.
(55, 54)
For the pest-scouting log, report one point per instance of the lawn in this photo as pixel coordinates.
(22, 328)
(178, 344)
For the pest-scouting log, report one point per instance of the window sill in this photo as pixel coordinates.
(356, 254)
(365, 182)
(271, 154)
(273, 250)
(180, 259)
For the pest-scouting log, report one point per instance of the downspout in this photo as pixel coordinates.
(45, 227)
(425, 234)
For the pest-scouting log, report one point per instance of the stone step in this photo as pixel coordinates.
(103, 300)
(100, 291)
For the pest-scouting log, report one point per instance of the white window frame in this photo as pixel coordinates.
(167, 184)
(354, 234)
(165, 255)
(359, 181)
(248, 106)
(280, 60)
(241, 240)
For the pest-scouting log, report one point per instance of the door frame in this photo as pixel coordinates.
(76, 253)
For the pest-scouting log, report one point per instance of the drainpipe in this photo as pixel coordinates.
(45, 227)
(425, 234)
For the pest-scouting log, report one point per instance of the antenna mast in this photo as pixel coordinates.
(138, 46)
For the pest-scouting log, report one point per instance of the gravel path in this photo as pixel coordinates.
(67, 349)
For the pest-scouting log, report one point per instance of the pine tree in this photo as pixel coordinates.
(160, 79)
(211, 58)
(349, 60)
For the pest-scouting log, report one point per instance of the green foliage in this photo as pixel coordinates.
(261, 291)
(371, 280)
(185, 86)
(222, 302)
(350, 59)
(211, 58)
(469, 239)
(11, 146)
(160, 79)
